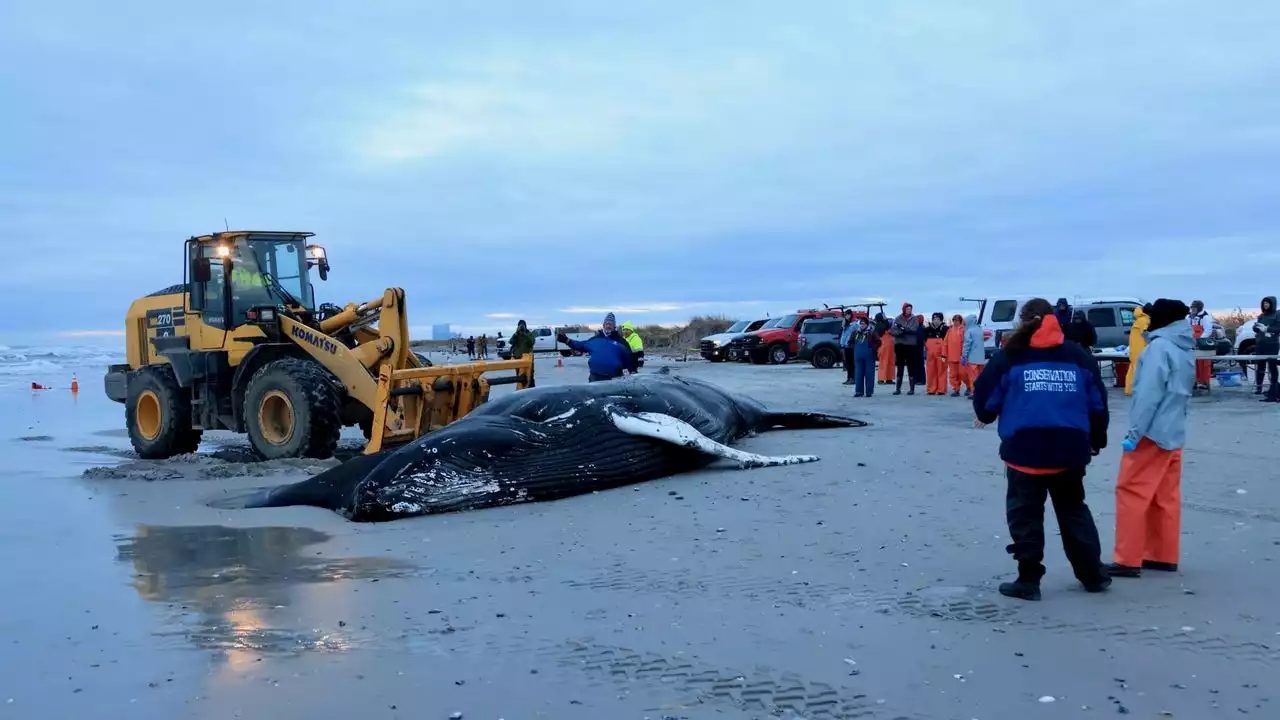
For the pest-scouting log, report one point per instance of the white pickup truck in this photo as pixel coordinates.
(544, 340)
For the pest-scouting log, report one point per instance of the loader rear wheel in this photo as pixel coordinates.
(157, 413)
(292, 410)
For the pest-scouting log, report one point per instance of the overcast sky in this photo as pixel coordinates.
(554, 160)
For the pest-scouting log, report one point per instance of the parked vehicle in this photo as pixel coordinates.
(1111, 323)
(819, 342)
(718, 347)
(1111, 319)
(778, 342)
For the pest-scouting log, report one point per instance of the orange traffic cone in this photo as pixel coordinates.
(559, 362)
(75, 384)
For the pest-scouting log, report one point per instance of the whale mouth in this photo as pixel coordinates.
(678, 432)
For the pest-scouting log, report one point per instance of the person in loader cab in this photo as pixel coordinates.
(634, 342)
(610, 355)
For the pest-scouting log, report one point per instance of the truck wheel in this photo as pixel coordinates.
(566, 353)
(824, 358)
(733, 354)
(292, 409)
(157, 412)
(1246, 348)
(778, 354)
(715, 359)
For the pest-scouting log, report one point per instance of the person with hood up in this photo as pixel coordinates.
(906, 346)
(1050, 400)
(919, 365)
(610, 355)
(634, 342)
(886, 357)
(1148, 487)
(471, 347)
(953, 351)
(865, 343)
(1267, 330)
(522, 344)
(935, 336)
(1081, 331)
(1062, 311)
(974, 356)
(1137, 343)
(846, 345)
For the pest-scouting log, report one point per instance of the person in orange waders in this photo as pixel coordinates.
(885, 360)
(1201, 326)
(935, 337)
(953, 351)
(1149, 486)
(974, 356)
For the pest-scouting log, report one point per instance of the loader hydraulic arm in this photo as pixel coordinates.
(388, 343)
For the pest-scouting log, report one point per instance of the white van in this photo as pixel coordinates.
(998, 315)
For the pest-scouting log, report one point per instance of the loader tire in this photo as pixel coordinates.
(293, 409)
(157, 413)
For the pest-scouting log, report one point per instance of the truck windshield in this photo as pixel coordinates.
(787, 321)
(738, 326)
(770, 324)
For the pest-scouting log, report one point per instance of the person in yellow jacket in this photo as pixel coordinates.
(1137, 343)
(634, 342)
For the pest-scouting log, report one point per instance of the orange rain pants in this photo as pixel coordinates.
(885, 372)
(954, 344)
(935, 371)
(1204, 368)
(1148, 505)
(972, 377)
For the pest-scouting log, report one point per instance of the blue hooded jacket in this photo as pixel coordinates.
(1050, 401)
(608, 356)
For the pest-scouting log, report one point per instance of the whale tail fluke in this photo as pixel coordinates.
(810, 421)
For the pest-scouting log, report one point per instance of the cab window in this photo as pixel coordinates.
(1126, 316)
(1003, 311)
(1102, 317)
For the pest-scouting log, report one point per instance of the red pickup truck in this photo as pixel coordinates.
(778, 340)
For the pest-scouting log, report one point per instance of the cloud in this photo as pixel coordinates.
(502, 316)
(624, 309)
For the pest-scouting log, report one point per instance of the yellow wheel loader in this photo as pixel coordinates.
(242, 346)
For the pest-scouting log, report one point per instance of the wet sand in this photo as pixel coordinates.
(859, 586)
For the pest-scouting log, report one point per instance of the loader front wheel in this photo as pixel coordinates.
(157, 413)
(292, 409)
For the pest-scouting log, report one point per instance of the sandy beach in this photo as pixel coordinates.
(862, 585)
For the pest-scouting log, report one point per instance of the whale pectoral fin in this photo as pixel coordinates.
(678, 432)
(810, 421)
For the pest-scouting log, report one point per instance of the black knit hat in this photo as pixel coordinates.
(1165, 312)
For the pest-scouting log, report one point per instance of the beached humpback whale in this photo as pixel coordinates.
(546, 443)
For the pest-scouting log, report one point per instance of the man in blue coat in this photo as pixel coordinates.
(609, 355)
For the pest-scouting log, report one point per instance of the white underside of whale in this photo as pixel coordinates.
(678, 432)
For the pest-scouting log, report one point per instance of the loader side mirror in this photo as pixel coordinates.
(201, 271)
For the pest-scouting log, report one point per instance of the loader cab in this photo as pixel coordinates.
(231, 274)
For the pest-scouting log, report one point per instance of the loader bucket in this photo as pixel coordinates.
(414, 401)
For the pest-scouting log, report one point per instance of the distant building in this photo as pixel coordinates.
(441, 332)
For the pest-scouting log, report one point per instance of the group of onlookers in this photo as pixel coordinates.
(922, 353)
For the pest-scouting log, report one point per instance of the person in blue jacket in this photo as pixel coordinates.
(610, 355)
(1047, 392)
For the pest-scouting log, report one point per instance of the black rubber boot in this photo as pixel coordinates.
(1162, 567)
(1115, 570)
(1027, 586)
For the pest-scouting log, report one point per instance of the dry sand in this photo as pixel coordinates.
(859, 586)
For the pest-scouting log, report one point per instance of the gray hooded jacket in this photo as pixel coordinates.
(1162, 384)
(974, 351)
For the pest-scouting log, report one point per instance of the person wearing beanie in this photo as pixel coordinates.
(935, 335)
(1137, 343)
(610, 355)
(886, 354)
(1062, 311)
(1201, 327)
(906, 346)
(1149, 484)
(953, 351)
(633, 340)
(1051, 403)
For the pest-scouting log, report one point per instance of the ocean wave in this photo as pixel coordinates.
(46, 364)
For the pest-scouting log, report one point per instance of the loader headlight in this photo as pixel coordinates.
(222, 251)
(316, 252)
(263, 315)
